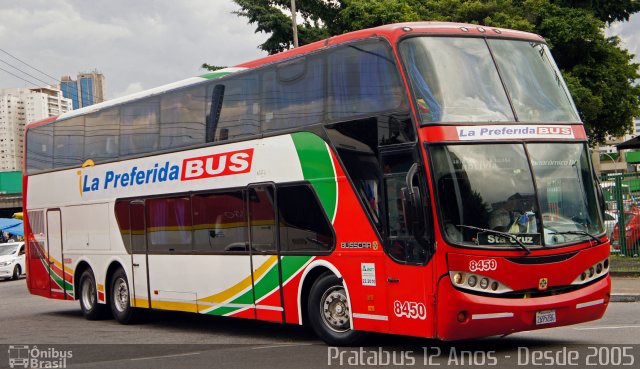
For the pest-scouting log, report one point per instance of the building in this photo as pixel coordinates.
(87, 89)
(19, 106)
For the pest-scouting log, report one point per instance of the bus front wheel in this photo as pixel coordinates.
(120, 299)
(89, 305)
(329, 312)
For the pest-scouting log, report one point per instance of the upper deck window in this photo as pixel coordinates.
(456, 80)
(537, 90)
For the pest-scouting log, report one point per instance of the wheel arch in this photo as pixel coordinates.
(310, 275)
(113, 266)
(80, 268)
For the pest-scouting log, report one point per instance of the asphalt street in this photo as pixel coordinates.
(55, 333)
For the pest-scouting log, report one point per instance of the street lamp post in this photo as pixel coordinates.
(294, 23)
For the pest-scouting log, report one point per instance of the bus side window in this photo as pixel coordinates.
(68, 142)
(102, 133)
(139, 127)
(169, 224)
(239, 114)
(219, 222)
(293, 94)
(182, 118)
(303, 225)
(262, 219)
(39, 148)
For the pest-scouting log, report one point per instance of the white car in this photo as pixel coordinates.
(12, 260)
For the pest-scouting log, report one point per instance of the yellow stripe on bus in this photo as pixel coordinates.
(176, 306)
(242, 285)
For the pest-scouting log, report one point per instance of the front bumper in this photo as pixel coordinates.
(6, 271)
(489, 316)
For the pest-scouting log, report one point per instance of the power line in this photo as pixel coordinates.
(57, 81)
(30, 66)
(20, 70)
(17, 76)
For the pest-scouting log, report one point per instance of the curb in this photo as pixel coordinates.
(621, 297)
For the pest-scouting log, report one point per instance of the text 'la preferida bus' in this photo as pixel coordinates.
(424, 179)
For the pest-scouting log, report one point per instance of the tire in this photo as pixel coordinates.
(330, 314)
(91, 309)
(17, 272)
(120, 299)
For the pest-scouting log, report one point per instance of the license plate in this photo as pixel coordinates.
(545, 317)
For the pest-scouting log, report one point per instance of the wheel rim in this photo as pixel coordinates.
(335, 309)
(88, 294)
(121, 295)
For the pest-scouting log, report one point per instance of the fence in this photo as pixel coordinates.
(622, 219)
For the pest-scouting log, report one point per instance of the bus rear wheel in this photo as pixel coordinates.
(120, 299)
(329, 312)
(91, 309)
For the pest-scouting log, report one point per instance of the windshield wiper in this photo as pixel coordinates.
(583, 233)
(508, 235)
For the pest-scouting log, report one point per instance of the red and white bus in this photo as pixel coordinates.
(424, 179)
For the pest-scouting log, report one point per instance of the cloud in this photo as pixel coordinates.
(135, 44)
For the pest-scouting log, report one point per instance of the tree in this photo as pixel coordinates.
(598, 72)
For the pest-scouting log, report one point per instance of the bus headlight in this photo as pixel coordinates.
(595, 271)
(477, 282)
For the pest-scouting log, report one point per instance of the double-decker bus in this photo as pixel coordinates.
(423, 179)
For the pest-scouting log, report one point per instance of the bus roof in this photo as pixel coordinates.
(391, 31)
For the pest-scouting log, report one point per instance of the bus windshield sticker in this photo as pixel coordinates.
(368, 274)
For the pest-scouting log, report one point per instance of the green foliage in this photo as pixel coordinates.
(598, 72)
(211, 68)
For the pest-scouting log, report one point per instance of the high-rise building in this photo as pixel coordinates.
(87, 89)
(19, 106)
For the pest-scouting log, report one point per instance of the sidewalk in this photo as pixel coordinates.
(625, 289)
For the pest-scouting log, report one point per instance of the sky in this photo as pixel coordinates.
(140, 44)
(136, 44)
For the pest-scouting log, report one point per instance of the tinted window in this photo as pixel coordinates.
(169, 224)
(303, 224)
(139, 127)
(293, 94)
(69, 142)
(102, 135)
(182, 118)
(239, 109)
(124, 223)
(363, 79)
(262, 220)
(40, 148)
(219, 222)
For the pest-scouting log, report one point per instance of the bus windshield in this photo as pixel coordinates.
(493, 187)
(456, 80)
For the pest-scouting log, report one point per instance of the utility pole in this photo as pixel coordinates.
(293, 23)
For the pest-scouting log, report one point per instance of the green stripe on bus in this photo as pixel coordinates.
(317, 168)
(214, 75)
(269, 282)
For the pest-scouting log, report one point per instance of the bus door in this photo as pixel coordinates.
(54, 254)
(409, 274)
(265, 253)
(139, 257)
